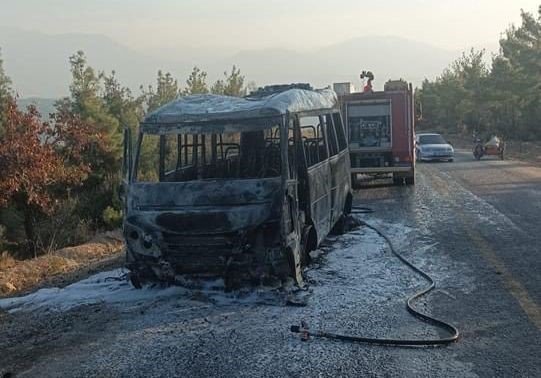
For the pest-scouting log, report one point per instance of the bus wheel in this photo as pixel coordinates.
(410, 180)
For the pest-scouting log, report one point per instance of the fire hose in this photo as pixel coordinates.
(451, 329)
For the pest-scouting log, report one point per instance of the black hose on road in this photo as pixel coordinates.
(453, 331)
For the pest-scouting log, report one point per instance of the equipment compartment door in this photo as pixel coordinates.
(370, 125)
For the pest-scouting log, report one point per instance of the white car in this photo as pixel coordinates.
(433, 147)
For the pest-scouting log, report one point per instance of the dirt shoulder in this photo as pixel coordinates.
(518, 150)
(62, 267)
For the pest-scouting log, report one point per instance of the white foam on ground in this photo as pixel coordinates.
(108, 287)
(103, 287)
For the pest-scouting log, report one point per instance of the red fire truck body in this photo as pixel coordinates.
(380, 128)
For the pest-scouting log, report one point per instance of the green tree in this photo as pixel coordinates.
(166, 90)
(218, 87)
(120, 103)
(456, 100)
(441, 101)
(196, 82)
(521, 50)
(128, 111)
(87, 103)
(472, 73)
(505, 98)
(231, 85)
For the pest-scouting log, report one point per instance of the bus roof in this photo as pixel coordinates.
(210, 110)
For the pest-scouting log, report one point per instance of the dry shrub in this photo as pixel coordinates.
(63, 228)
(6, 261)
(16, 276)
(57, 265)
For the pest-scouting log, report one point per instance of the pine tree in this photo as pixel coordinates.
(505, 98)
(521, 49)
(231, 85)
(166, 90)
(196, 82)
(86, 103)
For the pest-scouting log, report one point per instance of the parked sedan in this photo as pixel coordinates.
(433, 147)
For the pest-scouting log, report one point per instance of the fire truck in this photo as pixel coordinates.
(380, 128)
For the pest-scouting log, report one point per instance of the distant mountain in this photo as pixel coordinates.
(38, 63)
(387, 57)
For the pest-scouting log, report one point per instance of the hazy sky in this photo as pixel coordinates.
(248, 24)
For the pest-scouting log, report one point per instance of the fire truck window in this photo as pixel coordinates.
(313, 140)
(370, 125)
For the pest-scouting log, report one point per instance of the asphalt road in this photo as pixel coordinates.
(474, 226)
(486, 218)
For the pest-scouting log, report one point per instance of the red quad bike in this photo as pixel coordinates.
(480, 149)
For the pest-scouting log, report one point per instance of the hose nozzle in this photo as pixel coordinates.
(302, 329)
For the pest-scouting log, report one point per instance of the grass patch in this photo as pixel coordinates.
(22, 275)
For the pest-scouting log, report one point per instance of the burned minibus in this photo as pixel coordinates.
(238, 188)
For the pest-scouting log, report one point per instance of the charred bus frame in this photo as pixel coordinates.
(256, 185)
